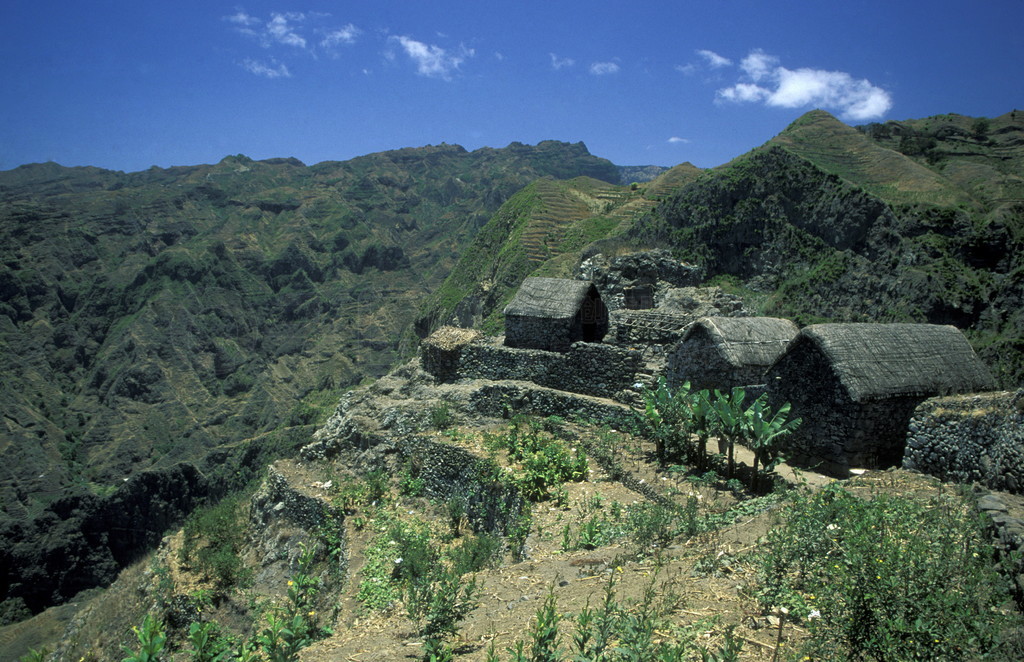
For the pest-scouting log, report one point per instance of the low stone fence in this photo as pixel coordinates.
(975, 438)
(452, 473)
(587, 368)
(501, 400)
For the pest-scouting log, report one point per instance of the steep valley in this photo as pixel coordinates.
(168, 334)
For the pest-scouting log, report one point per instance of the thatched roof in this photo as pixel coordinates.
(876, 361)
(551, 298)
(448, 338)
(747, 340)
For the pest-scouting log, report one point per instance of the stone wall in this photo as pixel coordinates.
(700, 362)
(836, 434)
(541, 332)
(501, 400)
(588, 368)
(975, 438)
(441, 351)
(450, 472)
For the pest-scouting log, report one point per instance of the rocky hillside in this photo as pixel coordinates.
(167, 333)
(827, 222)
(167, 316)
(541, 231)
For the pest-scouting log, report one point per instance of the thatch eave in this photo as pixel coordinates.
(548, 298)
(746, 341)
(879, 361)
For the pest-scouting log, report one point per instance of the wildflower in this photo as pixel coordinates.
(814, 613)
(312, 613)
(291, 583)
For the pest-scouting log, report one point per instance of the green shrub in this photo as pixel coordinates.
(441, 416)
(475, 553)
(213, 536)
(888, 578)
(544, 462)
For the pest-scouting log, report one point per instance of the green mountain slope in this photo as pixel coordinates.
(540, 230)
(826, 223)
(168, 316)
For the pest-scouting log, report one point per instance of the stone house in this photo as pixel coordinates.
(553, 313)
(856, 386)
(723, 352)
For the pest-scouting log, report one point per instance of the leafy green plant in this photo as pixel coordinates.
(441, 416)
(651, 525)
(410, 483)
(475, 553)
(665, 419)
(438, 601)
(152, 640)
(763, 428)
(887, 578)
(34, 655)
(207, 644)
(544, 635)
(213, 536)
(544, 462)
(730, 421)
(291, 628)
(701, 414)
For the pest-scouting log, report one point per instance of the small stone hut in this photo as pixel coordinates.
(856, 386)
(553, 313)
(723, 352)
(441, 352)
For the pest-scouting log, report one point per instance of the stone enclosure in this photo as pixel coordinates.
(859, 388)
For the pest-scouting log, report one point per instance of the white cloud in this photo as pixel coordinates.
(714, 60)
(604, 68)
(686, 69)
(759, 64)
(561, 62)
(241, 18)
(279, 30)
(433, 61)
(343, 35)
(777, 86)
(273, 70)
(676, 140)
(743, 92)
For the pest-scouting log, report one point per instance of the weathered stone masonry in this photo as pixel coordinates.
(977, 438)
(587, 368)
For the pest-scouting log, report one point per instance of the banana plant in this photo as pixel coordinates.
(666, 418)
(731, 421)
(702, 414)
(763, 428)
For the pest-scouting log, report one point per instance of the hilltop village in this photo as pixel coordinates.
(867, 393)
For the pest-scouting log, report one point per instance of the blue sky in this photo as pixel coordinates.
(128, 85)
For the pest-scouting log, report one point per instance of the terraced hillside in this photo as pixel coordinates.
(541, 231)
(830, 223)
(205, 316)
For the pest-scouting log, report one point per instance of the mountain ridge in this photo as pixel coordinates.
(174, 315)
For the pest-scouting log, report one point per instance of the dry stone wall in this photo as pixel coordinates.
(504, 399)
(587, 368)
(450, 473)
(975, 438)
